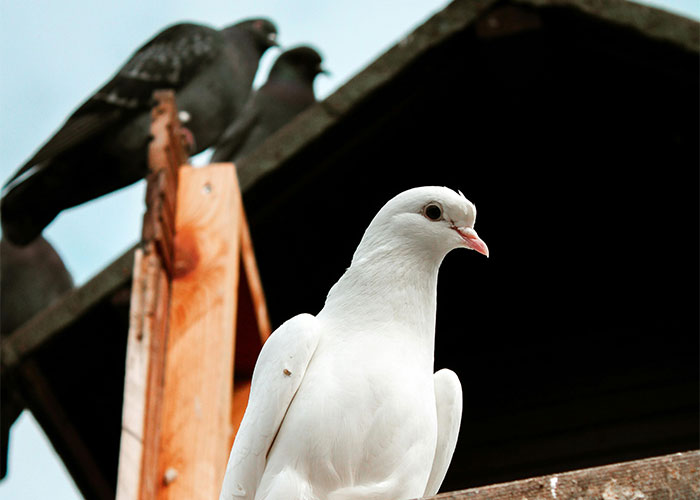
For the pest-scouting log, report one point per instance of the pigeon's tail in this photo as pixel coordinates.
(28, 207)
(31, 202)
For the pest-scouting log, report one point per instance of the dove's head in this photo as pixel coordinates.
(432, 218)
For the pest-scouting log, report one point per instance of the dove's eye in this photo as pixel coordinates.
(433, 211)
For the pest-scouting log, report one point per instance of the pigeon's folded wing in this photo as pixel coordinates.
(168, 61)
(276, 379)
(448, 403)
(237, 132)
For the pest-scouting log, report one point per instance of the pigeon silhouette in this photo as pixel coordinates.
(31, 278)
(103, 144)
(289, 90)
(345, 404)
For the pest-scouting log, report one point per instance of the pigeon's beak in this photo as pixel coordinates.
(472, 240)
(272, 40)
(323, 70)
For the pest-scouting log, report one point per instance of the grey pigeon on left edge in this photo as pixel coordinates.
(103, 145)
(289, 90)
(31, 279)
(345, 404)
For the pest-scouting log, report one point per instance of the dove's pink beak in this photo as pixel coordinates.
(472, 240)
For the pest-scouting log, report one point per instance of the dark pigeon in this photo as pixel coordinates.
(31, 279)
(103, 144)
(288, 91)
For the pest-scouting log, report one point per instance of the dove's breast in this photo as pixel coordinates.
(363, 418)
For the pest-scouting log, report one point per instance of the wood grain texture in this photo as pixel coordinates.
(254, 285)
(149, 310)
(252, 324)
(181, 409)
(241, 392)
(669, 477)
(141, 409)
(166, 153)
(198, 387)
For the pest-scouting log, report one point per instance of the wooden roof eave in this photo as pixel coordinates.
(56, 318)
(312, 124)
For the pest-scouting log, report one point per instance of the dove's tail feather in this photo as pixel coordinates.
(288, 484)
(371, 491)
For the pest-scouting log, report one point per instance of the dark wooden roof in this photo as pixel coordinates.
(573, 125)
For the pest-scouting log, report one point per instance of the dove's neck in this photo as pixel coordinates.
(388, 288)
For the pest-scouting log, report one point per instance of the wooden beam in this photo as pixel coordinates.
(51, 415)
(143, 377)
(150, 298)
(49, 323)
(252, 327)
(199, 367)
(196, 290)
(674, 476)
(253, 285)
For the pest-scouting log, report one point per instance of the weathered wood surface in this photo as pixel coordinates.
(166, 153)
(253, 285)
(670, 477)
(148, 316)
(217, 301)
(195, 288)
(198, 390)
(252, 326)
(143, 377)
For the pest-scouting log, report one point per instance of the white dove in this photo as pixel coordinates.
(345, 405)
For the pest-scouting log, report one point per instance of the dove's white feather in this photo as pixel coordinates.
(448, 403)
(361, 415)
(278, 372)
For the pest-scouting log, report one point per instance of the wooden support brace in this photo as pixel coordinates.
(198, 316)
(51, 415)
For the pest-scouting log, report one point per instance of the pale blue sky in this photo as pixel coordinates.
(53, 54)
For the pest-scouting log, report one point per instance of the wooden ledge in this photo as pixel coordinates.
(675, 476)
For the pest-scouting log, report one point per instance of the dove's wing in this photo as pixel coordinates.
(276, 378)
(448, 402)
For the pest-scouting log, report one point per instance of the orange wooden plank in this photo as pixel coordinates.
(253, 324)
(144, 371)
(148, 316)
(254, 284)
(166, 153)
(198, 386)
(241, 392)
(190, 302)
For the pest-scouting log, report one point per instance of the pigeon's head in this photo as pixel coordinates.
(433, 218)
(263, 32)
(301, 63)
